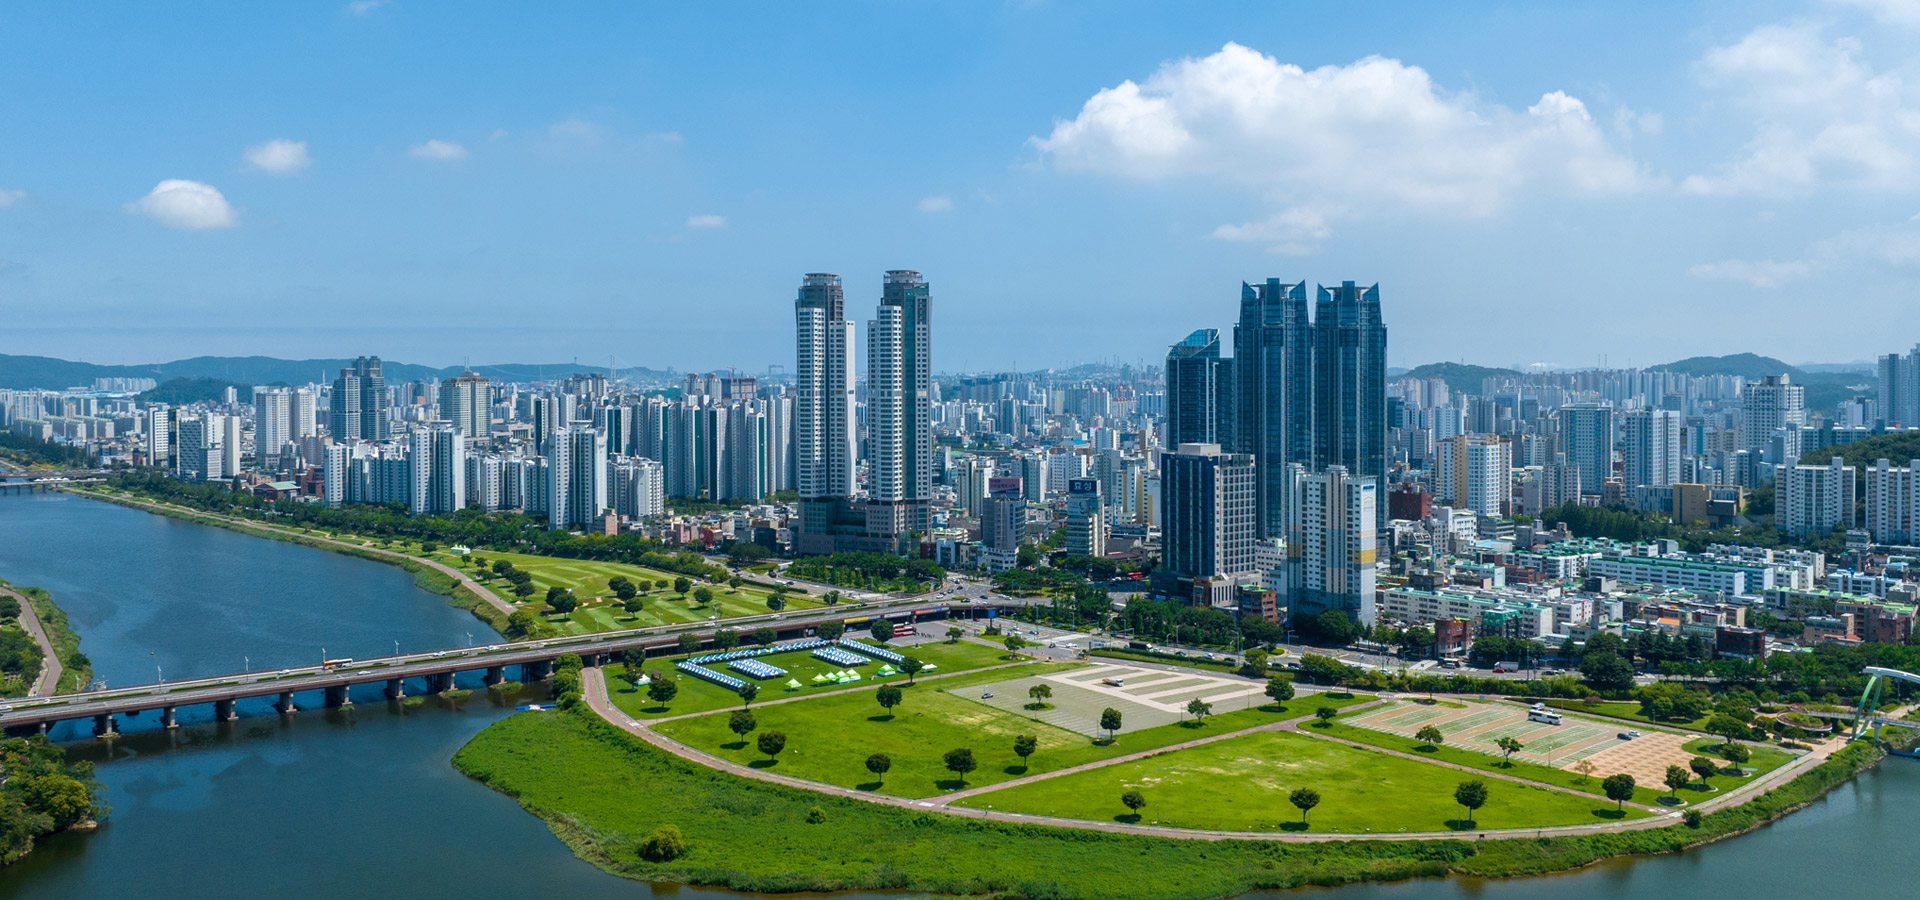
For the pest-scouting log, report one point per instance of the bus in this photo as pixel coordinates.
(332, 664)
(1543, 715)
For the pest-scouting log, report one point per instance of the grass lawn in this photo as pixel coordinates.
(1242, 784)
(704, 696)
(1648, 794)
(830, 738)
(1764, 760)
(601, 611)
(1620, 709)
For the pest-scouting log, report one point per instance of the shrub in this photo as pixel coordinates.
(663, 844)
(816, 816)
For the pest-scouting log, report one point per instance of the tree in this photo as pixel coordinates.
(771, 743)
(1431, 736)
(735, 583)
(1472, 795)
(748, 692)
(662, 688)
(1325, 714)
(742, 723)
(621, 587)
(1199, 708)
(726, 639)
(1703, 767)
(831, 598)
(1279, 689)
(881, 629)
(1585, 768)
(1039, 693)
(889, 697)
(829, 631)
(1014, 642)
(1619, 789)
(663, 844)
(1135, 801)
(1727, 727)
(633, 605)
(1735, 753)
(689, 643)
(912, 666)
(661, 585)
(953, 635)
(522, 623)
(561, 600)
(1676, 778)
(776, 602)
(1508, 747)
(703, 596)
(1606, 671)
(523, 589)
(1255, 665)
(960, 762)
(1416, 641)
(1304, 799)
(878, 764)
(1110, 721)
(1023, 747)
(682, 585)
(1336, 628)
(633, 659)
(764, 635)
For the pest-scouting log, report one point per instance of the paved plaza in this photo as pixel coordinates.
(1479, 726)
(1145, 697)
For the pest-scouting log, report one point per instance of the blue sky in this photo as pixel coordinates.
(1554, 183)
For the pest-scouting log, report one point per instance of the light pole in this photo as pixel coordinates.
(396, 649)
(246, 665)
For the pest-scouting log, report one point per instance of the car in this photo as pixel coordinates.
(1449, 664)
(987, 696)
(493, 646)
(285, 672)
(1629, 735)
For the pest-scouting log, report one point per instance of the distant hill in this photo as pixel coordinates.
(22, 372)
(1459, 376)
(184, 391)
(1897, 447)
(1746, 365)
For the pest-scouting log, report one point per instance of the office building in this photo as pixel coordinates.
(1002, 523)
(1350, 384)
(899, 407)
(1273, 405)
(1200, 391)
(1209, 526)
(359, 408)
(1086, 518)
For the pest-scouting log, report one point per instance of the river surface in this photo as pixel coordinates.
(364, 804)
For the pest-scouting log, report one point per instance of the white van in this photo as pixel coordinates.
(1543, 715)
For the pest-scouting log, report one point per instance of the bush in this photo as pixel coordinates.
(663, 844)
(1692, 818)
(816, 816)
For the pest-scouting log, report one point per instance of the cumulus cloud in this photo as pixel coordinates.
(1824, 117)
(187, 205)
(1895, 12)
(1758, 273)
(708, 221)
(9, 198)
(1885, 250)
(279, 156)
(1371, 138)
(938, 204)
(438, 150)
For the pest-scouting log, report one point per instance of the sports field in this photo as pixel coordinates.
(1243, 784)
(600, 610)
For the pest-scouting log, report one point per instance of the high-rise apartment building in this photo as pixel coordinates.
(577, 477)
(823, 410)
(1273, 404)
(160, 422)
(1331, 541)
(1892, 502)
(1775, 410)
(1811, 500)
(1002, 523)
(899, 407)
(1350, 384)
(272, 416)
(1588, 433)
(359, 408)
(1209, 527)
(1474, 471)
(1899, 397)
(466, 402)
(1200, 391)
(438, 480)
(1650, 447)
(302, 415)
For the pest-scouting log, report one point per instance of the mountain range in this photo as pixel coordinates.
(23, 372)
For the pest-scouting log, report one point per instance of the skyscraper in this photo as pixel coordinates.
(359, 409)
(1273, 406)
(1774, 409)
(1086, 517)
(466, 402)
(1650, 447)
(1331, 541)
(823, 429)
(576, 477)
(1350, 384)
(272, 414)
(1210, 525)
(1587, 429)
(899, 407)
(1900, 388)
(1200, 391)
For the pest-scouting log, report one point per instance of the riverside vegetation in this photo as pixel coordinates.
(604, 792)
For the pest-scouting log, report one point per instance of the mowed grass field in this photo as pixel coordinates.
(697, 696)
(829, 738)
(600, 610)
(1243, 784)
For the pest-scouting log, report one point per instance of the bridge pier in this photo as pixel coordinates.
(535, 671)
(440, 684)
(285, 704)
(223, 711)
(337, 696)
(495, 675)
(167, 719)
(103, 726)
(396, 689)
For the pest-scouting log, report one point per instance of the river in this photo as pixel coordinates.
(364, 803)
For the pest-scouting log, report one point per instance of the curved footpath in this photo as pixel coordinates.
(50, 669)
(597, 698)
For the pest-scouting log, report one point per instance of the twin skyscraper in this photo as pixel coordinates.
(899, 487)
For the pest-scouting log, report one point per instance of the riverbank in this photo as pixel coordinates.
(602, 791)
(430, 576)
(63, 668)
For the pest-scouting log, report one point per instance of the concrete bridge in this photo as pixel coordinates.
(23, 482)
(430, 673)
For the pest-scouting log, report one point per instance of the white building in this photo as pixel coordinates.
(1813, 499)
(577, 477)
(1474, 471)
(1650, 440)
(1890, 501)
(1330, 520)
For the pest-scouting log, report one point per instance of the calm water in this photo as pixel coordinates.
(365, 804)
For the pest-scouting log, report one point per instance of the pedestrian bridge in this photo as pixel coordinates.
(1866, 713)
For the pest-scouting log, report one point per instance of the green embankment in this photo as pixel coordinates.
(76, 669)
(602, 791)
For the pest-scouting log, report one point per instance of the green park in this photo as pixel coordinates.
(594, 603)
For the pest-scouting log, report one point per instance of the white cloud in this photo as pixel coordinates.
(364, 7)
(279, 156)
(1760, 274)
(708, 221)
(189, 205)
(1823, 116)
(1372, 138)
(938, 204)
(438, 150)
(9, 198)
(1873, 252)
(1895, 12)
